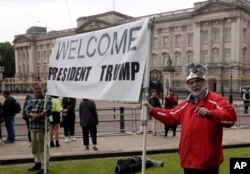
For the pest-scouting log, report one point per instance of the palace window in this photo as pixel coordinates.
(165, 41)
(204, 37)
(216, 36)
(227, 55)
(227, 35)
(190, 57)
(177, 59)
(190, 39)
(178, 40)
(204, 55)
(215, 55)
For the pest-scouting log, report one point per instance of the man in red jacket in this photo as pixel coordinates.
(202, 117)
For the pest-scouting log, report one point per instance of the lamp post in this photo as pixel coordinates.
(221, 79)
(38, 71)
(169, 68)
(1, 77)
(231, 86)
(2, 86)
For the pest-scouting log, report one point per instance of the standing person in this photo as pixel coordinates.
(155, 102)
(54, 121)
(68, 105)
(9, 116)
(170, 103)
(246, 101)
(202, 117)
(38, 115)
(88, 122)
(26, 117)
(1, 121)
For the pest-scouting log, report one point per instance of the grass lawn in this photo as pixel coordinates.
(107, 165)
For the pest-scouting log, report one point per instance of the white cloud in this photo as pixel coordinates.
(17, 16)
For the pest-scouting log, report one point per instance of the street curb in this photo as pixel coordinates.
(103, 155)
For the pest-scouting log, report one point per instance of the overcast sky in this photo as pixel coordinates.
(16, 16)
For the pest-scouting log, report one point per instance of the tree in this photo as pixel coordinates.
(7, 59)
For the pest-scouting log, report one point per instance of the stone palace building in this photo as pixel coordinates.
(213, 32)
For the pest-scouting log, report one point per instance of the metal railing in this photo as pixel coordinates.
(112, 120)
(243, 119)
(117, 120)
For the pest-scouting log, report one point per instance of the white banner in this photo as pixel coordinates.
(104, 65)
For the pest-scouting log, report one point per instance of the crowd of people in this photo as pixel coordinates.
(203, 110)
(37, 110)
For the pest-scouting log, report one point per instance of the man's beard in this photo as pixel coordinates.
(39, 95)
(195, 92)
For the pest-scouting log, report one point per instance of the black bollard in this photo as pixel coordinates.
(1, 136)
(230, 98)
(122, 126)
(114, 113)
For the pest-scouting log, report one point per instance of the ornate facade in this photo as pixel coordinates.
(213, 32)
(33, 49)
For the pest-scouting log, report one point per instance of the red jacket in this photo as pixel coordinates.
(170, 102)
(201, 138)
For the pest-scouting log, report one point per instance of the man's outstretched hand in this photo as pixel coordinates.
(149, 106)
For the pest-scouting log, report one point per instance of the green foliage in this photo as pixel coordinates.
(107, 165)
(7, 59)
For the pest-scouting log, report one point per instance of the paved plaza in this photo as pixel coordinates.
(118, 144)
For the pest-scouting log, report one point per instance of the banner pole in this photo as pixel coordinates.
(144, 115)
(45, 137)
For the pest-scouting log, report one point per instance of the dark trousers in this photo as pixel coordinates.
(93, 132)
(9, 123)
(246, 104)
(69, 125)
(28, 128)
(69, 129)
(1, 136)
(172, 127)
(196, 171)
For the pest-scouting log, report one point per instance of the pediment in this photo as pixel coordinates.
(214, 6)
(92, 25)
(21, 38)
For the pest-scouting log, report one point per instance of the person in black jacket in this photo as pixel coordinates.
(25, 116)
(246, 101)
(88, 122)
(154, 100)
(9, 116)
(69, 117)
(1, 121)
